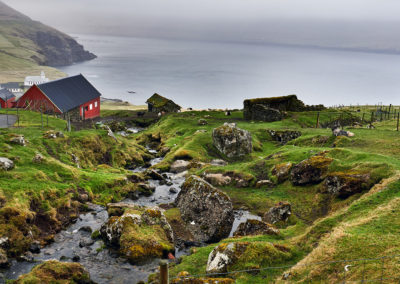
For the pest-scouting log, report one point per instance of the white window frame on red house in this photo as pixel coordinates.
(90, 106)
(95, 104)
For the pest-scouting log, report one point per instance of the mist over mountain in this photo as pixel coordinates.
(25, 41)
(368, 25)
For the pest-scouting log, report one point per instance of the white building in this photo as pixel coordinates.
(36, 80)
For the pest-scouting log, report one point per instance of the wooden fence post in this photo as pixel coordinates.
(372, 119)
(398, 115)
(317, 125)
(164, 278)
(362, 119)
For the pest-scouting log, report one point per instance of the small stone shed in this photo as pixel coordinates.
(281, 104)
(157, 103)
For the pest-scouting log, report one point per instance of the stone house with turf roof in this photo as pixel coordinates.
(157, 104)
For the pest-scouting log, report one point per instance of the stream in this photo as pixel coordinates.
(103, 263)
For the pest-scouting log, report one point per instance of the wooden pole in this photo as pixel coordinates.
(362, 120)
(164, 278)
(398, 115)
(372, 119)
(18, 116)
(317, 125)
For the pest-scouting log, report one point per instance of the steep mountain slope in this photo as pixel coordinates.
(26, 39)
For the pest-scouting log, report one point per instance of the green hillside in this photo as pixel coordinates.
(28, 47)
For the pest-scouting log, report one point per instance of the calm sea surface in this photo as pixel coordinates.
(222, 75)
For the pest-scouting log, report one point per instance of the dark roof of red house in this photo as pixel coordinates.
(69, 93)
(5, 94)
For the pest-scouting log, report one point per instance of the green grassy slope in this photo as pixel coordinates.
(27, 47)
(322, 228)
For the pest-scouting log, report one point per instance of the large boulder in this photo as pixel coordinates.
(6, 164)
(231, 140)
(179, 166)
(279, 213)
(207, 211)
(140, 233)
(53, 271)
(310, 171)
(344, 184)
(284, 136)
(255, 227)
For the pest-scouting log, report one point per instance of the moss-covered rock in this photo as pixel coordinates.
(56, 272)
(232, 141)
(282, 171)
(228, 257)
(140, 233)
(207, 211)
(344, 184)
(255, 227)
(279, 213)
(311, 171)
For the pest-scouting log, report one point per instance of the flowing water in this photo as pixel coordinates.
(104, 264)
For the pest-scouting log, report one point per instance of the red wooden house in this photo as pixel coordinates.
(6, 99)
(74, 96)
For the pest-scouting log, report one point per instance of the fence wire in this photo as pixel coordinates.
(385, 269)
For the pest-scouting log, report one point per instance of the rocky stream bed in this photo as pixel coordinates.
(103, 263)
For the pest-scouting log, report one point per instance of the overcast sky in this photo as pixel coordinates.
(319, 22)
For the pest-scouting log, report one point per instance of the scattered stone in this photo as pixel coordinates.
(265, 182)
(282, 171)
(280, 212)
(164, 150)
(173, 190)
(218, 162)
(255, 227)
(232, 141)
(75, 160)
(49, 251)
(76, 258)
(38, 158)
(86, 229)
(223, 256)
(310, 171)
(284, 136)
(4, 242)
(345, 184)
(3, 259)
(60, 134)
(6, 164)
(179, 166)
(27, 256)
(210, 209)
(340, 132)
(86, 242)
(217, 179)
(34, 247)
(152, 174)
(202, 122)
(18, 140)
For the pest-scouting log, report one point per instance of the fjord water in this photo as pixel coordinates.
(221, 75)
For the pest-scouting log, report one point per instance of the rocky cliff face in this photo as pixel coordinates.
(33, 41)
